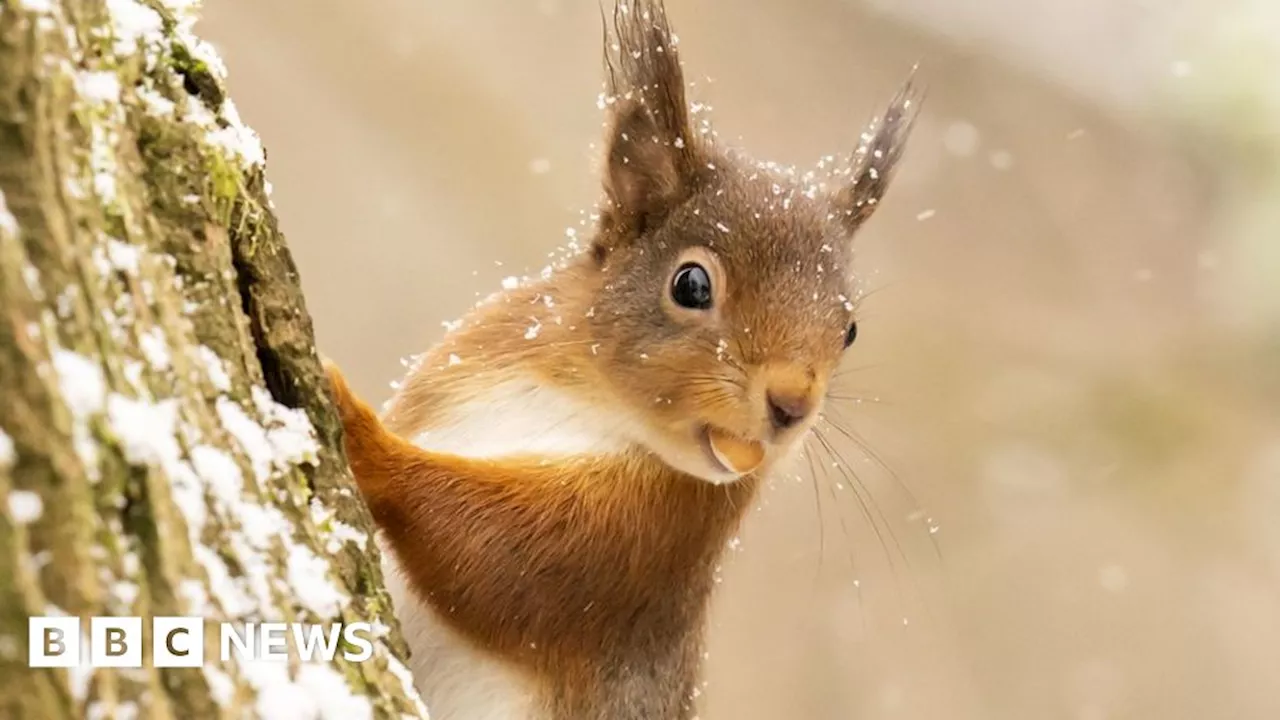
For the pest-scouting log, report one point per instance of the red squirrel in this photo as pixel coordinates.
(555, 481)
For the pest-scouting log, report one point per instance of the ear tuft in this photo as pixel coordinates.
(878, 153)
(651, 155)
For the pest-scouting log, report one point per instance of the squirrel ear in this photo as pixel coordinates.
(651, 154)
(643, 177)
(877, 155)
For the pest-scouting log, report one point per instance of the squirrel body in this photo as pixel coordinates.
(510, 415)
(555, 481)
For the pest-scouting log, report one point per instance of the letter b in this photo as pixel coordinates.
(115, 641)
(53, 641)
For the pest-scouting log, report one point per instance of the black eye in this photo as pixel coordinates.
(691, 287)
(851, 335)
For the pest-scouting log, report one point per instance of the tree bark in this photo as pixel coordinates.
(167, 444)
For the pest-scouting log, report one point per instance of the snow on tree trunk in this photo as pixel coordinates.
(167, 444)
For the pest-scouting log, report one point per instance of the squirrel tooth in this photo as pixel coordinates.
(737, 455)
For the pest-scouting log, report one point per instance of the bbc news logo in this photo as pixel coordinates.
(180, 642)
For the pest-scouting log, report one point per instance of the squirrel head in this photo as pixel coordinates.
(726, 298)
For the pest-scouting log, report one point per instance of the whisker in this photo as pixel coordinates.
(726, 357)
(849, 472)
(862, 296)
(848, 537)
(858, 399)
(853, 566)
(906, 559)
(742, 352)
(865, 447)
(689, 378)
(693, 379)
(844, 370)
(822, 530)
(822, 533)
(871, 513)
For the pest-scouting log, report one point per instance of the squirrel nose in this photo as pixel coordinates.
(789, 394)
(787, 410)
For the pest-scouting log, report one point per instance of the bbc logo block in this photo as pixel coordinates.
(53, 642)
(114, 642)
(177, 642)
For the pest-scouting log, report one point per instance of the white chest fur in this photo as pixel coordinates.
(458, 681)
(521, 417)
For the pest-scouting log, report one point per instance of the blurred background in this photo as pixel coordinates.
(1068, 373)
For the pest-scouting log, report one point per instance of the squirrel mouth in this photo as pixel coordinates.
(732, 453)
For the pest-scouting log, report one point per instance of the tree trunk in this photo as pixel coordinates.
(167, 445)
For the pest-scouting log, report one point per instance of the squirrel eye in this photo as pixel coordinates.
(691, 287)
(851, 335)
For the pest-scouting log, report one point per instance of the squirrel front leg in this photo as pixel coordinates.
(462, 529)
(405, 486)
(379, 460)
